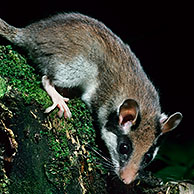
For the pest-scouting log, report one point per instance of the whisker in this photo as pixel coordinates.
(109, 168)
(105, 158)
(100, 151)
(109, 164)
(114, 161)
(106, 164)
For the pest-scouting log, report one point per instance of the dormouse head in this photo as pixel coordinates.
(131, 137)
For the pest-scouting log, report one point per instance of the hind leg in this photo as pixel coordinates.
(57, 99)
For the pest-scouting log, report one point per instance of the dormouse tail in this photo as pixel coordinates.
(11, 33)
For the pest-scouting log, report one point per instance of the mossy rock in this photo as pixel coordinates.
(45, 154)
(52, 154)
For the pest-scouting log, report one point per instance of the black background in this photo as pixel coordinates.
(159, 34)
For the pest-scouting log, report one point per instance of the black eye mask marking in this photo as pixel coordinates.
(112, 123)
(124, 149)
(148, 156)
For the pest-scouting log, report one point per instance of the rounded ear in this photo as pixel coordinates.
(171, 123)
(128, 112)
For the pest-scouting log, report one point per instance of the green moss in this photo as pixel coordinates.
(3, 87)
(71, 161)
(4, 181)
(21, 76)
(70, 164)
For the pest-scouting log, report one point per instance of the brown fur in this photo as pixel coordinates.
(54, 44)
(68, 35)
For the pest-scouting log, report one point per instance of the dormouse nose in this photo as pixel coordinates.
(128, 174)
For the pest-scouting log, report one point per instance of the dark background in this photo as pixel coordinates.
(159, 34)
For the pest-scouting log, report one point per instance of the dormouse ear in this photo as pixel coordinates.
(171, 123)
(128, 112)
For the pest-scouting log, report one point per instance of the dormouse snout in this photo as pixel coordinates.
(128, 174)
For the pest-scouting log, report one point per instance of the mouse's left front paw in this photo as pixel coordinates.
(63, 108)
(57, 99)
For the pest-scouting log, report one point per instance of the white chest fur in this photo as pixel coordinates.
(77, 73)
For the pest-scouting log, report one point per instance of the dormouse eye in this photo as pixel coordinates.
(124, 148)
(148, 157)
